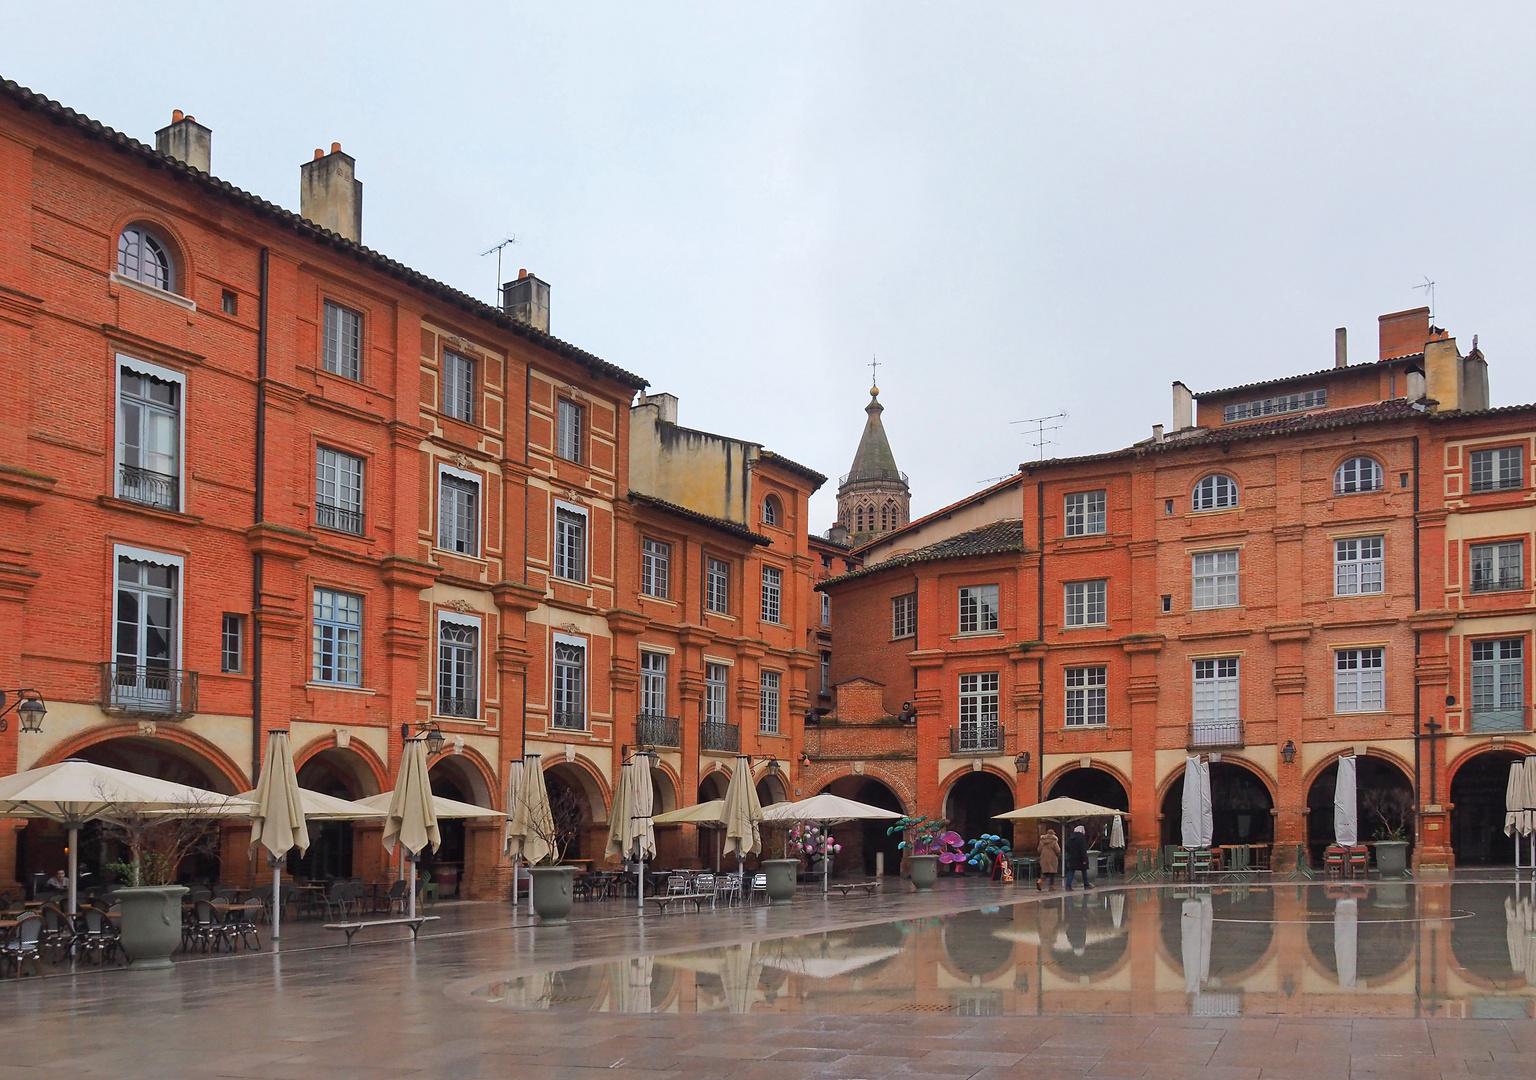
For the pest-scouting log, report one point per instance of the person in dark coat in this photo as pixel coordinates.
(1077, 857)
(1050, 859)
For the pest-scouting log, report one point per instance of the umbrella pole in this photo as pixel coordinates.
(640, 880)
(412, 888)
(74, 868)
(826, 859)
(277, 898)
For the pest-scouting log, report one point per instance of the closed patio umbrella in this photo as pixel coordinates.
(1195, 824)
(277, 823)
(618, 814)
(1514, 803)
(1346, 940)
(530, 821)
(412, 820)
(642, 832)
(513, 796)
(1117, 833)
(1346, 807)
(1195, 926)
(743, 813)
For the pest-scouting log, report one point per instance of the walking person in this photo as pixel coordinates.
(1077, 857)
(1050, 859)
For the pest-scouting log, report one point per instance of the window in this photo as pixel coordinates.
(826, 562)
(1087, 696)
(1357, 566)
(773, 582)
(1215, 579)
(568, 705)
(716, 677)
(1497, 567)
(1359, 680)
(144, 258)
(1218, 492)
(149, 436)
(653, 683)
(230, 302)
(978, 609)
(826, 609)
(145, 650)
(978, 712)
(458, 513)
(1498, 685)
(717, 581)
(1275, 406)
(338, 638)
(768, 703)
(232, 644)
(570, 544)
(772, 513)
(568, 431)
(1357, 475)
(904, 615)
(338, 491)
(655, 568)
(458, 666)
(1085, 513)
(1085, 603)
(826, 672)
(1216, 692)
(1497, 470)
(342, 350)
(458, 386)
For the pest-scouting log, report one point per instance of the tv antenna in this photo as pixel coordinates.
(1429, 290)
(506, 243)
(1042, 431)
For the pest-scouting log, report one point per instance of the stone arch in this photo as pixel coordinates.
(713, 782)
(863, 841)
(1376, 768)
(900, 787)
(666, 785)
(1474, 785)
(1249, 821)
(356, 769)
(971, 797)
(1110, 771)
(771, 786)
(1176, 776)
(471, 774)
(219, 769)
(582, 775)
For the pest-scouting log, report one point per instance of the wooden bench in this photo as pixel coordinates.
(665, 901)
(846, 887)
(351, 928)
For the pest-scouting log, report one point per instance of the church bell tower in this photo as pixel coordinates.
(873, 498)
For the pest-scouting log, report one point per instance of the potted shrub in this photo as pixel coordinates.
(929, 844)
(551, 888)
(1393, 810)
(155, 847)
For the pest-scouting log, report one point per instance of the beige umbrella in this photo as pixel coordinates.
(618, 816)
(641, 831)
(531, 823)
(704, 813)
(1062, 809)
(743, 812)
(826, 809)
(441, 807)
(514, 796)
(412, 820)
(278, 821)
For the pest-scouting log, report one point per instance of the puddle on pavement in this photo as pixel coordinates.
(1463, 950)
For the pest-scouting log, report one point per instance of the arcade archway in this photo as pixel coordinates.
(770, 790)
(1382, 792)
(863, 840)
(713, 785)
(1242, 810)
(577, 803)
(457, 779)
(1477, 810)
(344, 774)
(974, 800)
(1091, 785)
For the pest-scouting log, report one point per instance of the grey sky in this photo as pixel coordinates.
(1022, 210)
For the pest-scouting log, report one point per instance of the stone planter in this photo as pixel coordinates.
(925, 871)
(781, 879)
(552, 893)
(151, 924)
(1391, 857)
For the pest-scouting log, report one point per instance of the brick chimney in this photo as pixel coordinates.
(527, 300)
(1403, 333)
(187, 141)
(330, 195)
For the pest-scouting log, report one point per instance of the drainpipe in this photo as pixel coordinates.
(1040, 635)
(527, 418)
(260, 510)
(1417, 645)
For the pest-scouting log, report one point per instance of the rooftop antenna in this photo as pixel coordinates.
(1041, 439)
(1429, 291)
(507, 242)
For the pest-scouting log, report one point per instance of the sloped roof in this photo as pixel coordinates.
(873, 460)
(994, 538)
(724, 525)
(944, 511)
(1351, 369)
(93, 129)
(793, 466)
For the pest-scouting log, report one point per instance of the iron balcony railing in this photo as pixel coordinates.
(467, 707)
(149, 487)
(653, 730)
(1503, 580)
(1215, 734)
(977, 739)
(334, 517)
(569, 721)
(1497, 721)
(720, 738)
(148, 689)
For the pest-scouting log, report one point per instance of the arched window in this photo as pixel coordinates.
(858, 517)
(144, 258)
(1215, 492)
(773, 514)
(1356, 475)
(885, 517)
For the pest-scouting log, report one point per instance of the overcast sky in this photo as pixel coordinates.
(1020, 210)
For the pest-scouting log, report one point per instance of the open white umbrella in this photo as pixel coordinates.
(743, 813)
(1346, 940)
(278, 822)
(411, 821)
(825, 809)
(441, 808)
(704, 813)
(74, 792)
(1058, 809)
(1346, 807)
(530, 821)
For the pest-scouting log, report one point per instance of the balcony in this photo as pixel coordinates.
(1498, 721)
(148, 690)
(148, 487)
(719, 738)
(652, 730)
(568, 721)
(467, 708)
(980, 740)
(334, 517)
(1501, 581)
(1215, 734)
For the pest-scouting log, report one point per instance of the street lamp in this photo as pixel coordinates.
(1022, 762)
(28, 706)
(1288, 752)
(430, 732)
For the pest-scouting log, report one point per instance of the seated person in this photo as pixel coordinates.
(58, 881)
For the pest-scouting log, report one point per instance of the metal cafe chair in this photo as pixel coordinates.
(677, 884)
(759, 888)
(25, 943)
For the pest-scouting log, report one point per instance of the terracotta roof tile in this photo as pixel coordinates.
(996, 538)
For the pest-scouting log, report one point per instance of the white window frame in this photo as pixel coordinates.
(1494, 672)
(773, 511)
(826, 609)
(336, 501)
(980, 615)
(655, 566)
(239, 650)
(1359, 566)
(479, 482)
(124, 551)
(452, 404)
(554, 542)
(710, 562)
(1207, 495)
(145, 235)
(826, 672)
(772, 606)
(1083, 600)
(1222, 586)
(570, 641)
(564, 441)
(1217, 699)
(1350, 479)
(325, 307)
(1360, 680)
(1496, 455)
(904, 613)
(1087, 692)
(769, 685)
(362, 615)
(649, 677)
(1497, 581)
(476, 623)
(723, 686)
(154, 371)
(980, 709)
(1084, 513)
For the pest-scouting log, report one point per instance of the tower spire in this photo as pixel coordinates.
(873, 498)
